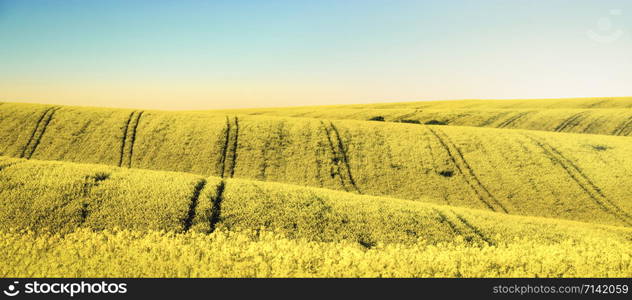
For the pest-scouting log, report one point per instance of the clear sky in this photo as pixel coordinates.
(219, 54)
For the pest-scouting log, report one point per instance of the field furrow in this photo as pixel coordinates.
(130, 139)
(623, 129)
(38, 132)
(89, 184)
(474, 229)
(456, 157)
(233, 147)
(124, 139)
(513, 119)
(342, 150)
(216, 209)
(188, 221)
(337, 159)
(583, 181)
(572, 122)
(495, 117)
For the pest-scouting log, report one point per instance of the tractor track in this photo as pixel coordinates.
(470, 230)
(456, 157)
(38, 133)
(187, 222)
(573, 121)
(228, 150)
(129, 119)
(216, 209)
(340, 158)
(475, 230)
(233, 149)
(583, 181)
(621, 129)
(129, 139)
(493, 119)
(513, 119)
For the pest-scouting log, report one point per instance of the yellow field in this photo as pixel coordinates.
(608, 116)
(321, 191)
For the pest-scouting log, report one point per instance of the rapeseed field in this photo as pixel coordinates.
(431, 189)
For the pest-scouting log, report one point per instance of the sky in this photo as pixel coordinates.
(233, 54)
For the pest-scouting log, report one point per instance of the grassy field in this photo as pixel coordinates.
(320, 191)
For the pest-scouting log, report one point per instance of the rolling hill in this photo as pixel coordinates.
(608, 116)
(570, 176)
(511, 179)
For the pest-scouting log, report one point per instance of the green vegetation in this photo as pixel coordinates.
(593, 121)
(372, 190)
(575, 177)
(229, 254)
(59, 197)
(46, 196)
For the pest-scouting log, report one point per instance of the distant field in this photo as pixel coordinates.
(415, 177)
(592, 121)
(608, 116)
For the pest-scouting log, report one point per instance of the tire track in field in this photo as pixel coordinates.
(228, 150)
(335, 169)
(187, 222)
(513, 119)
(596, 121)
(89, 183)
(224, 149)
(129, 138)
(583, 181)
(273, 148)
(444, 219)
(621, 129)
(593, 105)
(38, 132)
(456, 157)
(493, 119)
(573, 121)
(122, 151)
(133, 138)
(216, 207)
(467, 230)
(340, 158)
(475, 230)
(232, 150)
(345, 157)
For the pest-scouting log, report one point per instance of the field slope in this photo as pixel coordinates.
(513, 179)
(534, 173)
(608, 116)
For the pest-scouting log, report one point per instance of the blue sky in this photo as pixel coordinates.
(216, 54)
